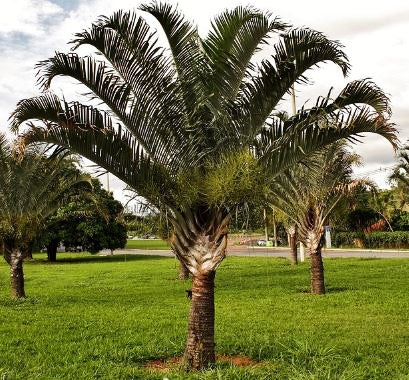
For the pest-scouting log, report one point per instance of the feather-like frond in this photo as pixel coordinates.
(298, 51)
(235, 37)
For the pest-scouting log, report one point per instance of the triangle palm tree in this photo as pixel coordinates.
(32, 187)
(191, 125)
(309, 193)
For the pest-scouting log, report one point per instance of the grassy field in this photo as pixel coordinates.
(147, 244)
(90, 317)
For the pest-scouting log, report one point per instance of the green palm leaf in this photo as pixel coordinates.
(231, 43)
(298, 51)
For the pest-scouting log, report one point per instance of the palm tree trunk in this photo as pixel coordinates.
(293, 247)
(200, 241)
(52, 250)
(16, 274)
(275, 229)
(28, 251)
(292, 240)
(317, 271)
(265, 219)
(200, 351)
(183, 271)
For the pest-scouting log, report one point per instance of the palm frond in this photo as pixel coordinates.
(166, 149)
(298, 51)
(96, 75)
(185, 46)
(231, 43)
(130, 45)
(362, 91)
(48, 107)
(400, 173)
(116, 151)
(282, 146)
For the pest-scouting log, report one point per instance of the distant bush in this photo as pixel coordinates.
(346, 239)
(395, 239)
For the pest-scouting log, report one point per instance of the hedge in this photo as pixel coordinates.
(395, 239)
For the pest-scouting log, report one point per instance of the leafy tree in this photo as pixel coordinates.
(197, 128)
(92, 222)
(400, 220)
(32, 188)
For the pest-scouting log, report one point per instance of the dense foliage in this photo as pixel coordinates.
(93, 223)
(380, 239)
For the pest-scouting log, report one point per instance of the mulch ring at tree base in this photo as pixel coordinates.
(164, 365)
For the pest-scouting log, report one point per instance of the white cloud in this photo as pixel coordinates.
(27, 17)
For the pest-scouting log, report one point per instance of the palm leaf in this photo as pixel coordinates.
(298, 51)
(231, 43)
(186, 51)
(282, 146)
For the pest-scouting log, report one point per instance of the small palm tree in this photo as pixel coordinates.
(400, 176)
(192, 127)
(309, 192)
(32, 188)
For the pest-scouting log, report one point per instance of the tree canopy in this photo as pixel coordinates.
(93, 222)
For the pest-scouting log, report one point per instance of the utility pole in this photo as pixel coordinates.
(294, 109)
(275, 229)
(108, 181)
(265, 225)
(293, 104)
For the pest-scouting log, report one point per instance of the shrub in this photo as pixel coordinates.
(395, 239)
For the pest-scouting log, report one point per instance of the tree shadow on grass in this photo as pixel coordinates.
(80, 259)
(328, 290)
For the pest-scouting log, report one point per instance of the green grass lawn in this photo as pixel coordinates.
(147, 244)
(89, 317)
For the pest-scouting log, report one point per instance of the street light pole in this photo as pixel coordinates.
(294, 109)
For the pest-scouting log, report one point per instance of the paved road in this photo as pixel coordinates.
(282, 252)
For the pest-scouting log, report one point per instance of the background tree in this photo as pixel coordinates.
(93, 222)
(197, 129)
(308, 194)
(400, 175)
(32, 187)
(354, 212)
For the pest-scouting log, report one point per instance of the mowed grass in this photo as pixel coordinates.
(89, 317)
(147, 244)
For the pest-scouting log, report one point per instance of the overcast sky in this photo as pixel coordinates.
(375, 35)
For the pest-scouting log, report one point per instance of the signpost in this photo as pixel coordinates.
(328, 236)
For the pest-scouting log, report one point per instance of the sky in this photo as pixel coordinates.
(375, 35)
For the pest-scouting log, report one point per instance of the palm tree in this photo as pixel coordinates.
(192, 126)
(31, 188)
(308, 194)
(400, 176)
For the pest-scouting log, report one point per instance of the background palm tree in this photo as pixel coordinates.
(400, 176)
(196, 128)
(31, 188)
(309, 192)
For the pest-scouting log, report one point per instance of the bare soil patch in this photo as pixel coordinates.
(165, 365)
